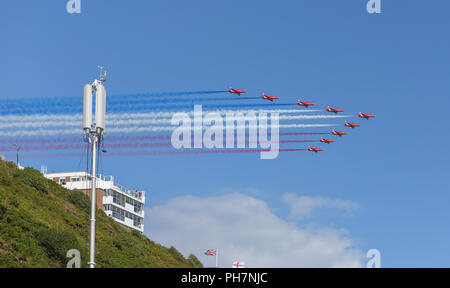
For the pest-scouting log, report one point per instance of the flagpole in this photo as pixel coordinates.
(217, 258)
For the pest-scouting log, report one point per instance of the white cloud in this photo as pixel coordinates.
(301, 206)
(245, 229)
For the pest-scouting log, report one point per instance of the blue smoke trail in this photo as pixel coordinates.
(14, 106)
(139, 108)
(11, 103)
(175, 100)
(124, 103)
(162, 94)
(206, 107)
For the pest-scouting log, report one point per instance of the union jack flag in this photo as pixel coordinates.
(211, 252)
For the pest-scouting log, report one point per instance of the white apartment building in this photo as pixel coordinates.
(125, 206)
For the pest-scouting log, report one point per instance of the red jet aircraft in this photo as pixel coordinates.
(315, 150)
(367, 116)
(339, 133)
(327, 141)
(305, 104)
(236, 91)
(351, 125)
(268, 97)
(334, 110)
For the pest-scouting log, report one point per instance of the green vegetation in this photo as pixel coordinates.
(80, 200)
(40, 221)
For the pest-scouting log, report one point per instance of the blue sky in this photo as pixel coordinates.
(395, 65)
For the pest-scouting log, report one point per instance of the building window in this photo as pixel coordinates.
(118, 198)
(138, 208)
(118, 213)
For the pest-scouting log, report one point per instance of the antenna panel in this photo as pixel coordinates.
(87, 107)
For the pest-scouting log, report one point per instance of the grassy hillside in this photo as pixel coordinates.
(40, 221)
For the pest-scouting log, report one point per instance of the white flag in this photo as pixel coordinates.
(238, 264)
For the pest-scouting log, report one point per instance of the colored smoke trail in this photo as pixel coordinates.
(40, 124)
(222, 112)
(207, 106)
(138, 107)
(42, 105)
(187, 152)
(140, 122)
(302, 133)
(137, 129)
(5, 119)
(175, 100)
(135, 145)
(172, 128)
(61, 101)
(162, 94)
(112, 139)
(167, 121)
(80, 139)
(155, 153)
(120, 104)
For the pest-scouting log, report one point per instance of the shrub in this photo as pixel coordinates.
(33, 178)
(2, 211)
(136, 234)
(56, 243)
(5, 179)
(13, 202)
(80, 200)
(194, 261)
(177, 255)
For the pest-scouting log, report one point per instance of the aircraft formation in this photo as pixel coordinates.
(306, 104)
(45, 124)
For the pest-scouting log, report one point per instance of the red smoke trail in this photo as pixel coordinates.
(301, 133)
(156, 153)
(187, 152)
(130, 145)
(109, 139)
(80, 139)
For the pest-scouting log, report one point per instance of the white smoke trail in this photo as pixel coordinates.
(171, 128)
(119, 116)
(142, 121)
(222, 112)
(168, 120)
(40, 117)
